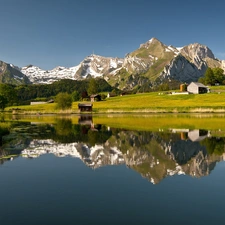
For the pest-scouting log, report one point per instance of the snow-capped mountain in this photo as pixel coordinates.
(93, 157)
(37, 75)
(153, 63)
(98, 66)
(93, 65)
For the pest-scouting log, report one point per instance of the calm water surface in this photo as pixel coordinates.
(85, 173)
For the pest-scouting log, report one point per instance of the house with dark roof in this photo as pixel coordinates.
(85, 107)
(197, 88)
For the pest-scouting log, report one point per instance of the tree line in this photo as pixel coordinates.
(77, 89)
(213, 76)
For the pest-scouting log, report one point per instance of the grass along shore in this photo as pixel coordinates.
(154, 102)
(144, 122)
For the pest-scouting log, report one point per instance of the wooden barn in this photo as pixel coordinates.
(85, 107)
(197, 88)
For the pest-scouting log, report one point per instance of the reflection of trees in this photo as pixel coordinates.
(214, 145)
(2, 155)
(19, 137)
(66, 132)
(63, 131)
(93, 137)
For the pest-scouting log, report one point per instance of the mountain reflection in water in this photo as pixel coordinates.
(155, 155)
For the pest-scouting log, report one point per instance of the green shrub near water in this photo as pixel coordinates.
(64, 101)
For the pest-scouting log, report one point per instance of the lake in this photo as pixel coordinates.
(116, 169)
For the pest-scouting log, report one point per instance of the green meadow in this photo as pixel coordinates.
(155, 102)
(161, 102)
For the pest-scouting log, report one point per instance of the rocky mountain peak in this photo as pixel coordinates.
(153, 41)
(197, 50)
(97, 66)
(11, 74)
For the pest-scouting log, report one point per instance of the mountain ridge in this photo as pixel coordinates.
(12, 74)
(153, 63)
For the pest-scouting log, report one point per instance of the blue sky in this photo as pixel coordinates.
(49, 33)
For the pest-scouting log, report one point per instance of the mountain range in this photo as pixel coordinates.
(153, 63)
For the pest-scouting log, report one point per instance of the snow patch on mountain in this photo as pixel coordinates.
(113, 64)
(98, 66)
(41, 147)
(17, 77)
(170, 48)
(93, 157)
(38, 75)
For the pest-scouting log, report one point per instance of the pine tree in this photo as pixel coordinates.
(92, 87)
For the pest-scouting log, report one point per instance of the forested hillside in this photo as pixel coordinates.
(23, 94)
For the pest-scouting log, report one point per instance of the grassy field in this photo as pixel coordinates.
(143, 103)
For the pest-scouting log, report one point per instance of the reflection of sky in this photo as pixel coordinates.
(65, 191)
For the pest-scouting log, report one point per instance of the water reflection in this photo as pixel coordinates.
(155, 155)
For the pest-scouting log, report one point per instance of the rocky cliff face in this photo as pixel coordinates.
(97, 66)
(10, 74)
(197, 52)
(182, 70)
(190, 64)
(223, 64)
(160, 63)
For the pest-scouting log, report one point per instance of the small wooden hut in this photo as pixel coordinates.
(183, 87)
(85, 107)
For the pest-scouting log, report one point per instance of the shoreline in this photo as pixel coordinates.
(120, 111)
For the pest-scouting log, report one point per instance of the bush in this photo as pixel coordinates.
(75, 96)
(103, 96)
(64, 101)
